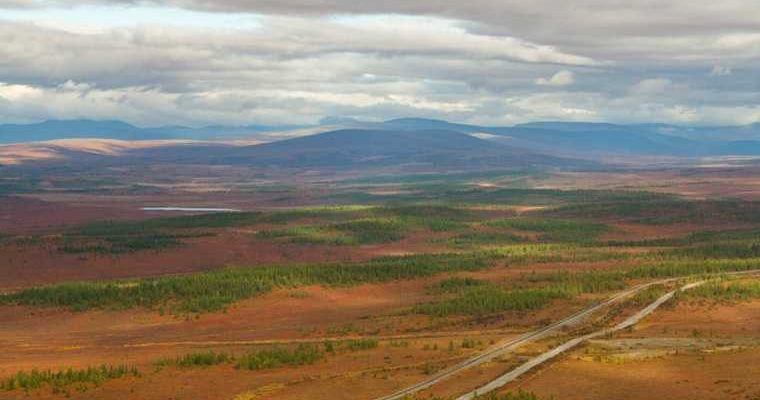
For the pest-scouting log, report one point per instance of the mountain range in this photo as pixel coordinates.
(118, 130)
(406, 141)
(580, 138)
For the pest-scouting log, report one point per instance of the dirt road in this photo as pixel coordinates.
(506, 347)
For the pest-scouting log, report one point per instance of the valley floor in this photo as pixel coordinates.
(355, 290)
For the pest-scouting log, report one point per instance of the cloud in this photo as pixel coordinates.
(561, 78)
(147, 55)
(648, 87)
(720, 70)
(482, 61)
(605, 29)
(153, 106)
(11, 4)
(308, 68)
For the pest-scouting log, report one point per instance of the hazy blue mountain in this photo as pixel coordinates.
(738, 148)
(69, 129)
(424, 123)
(723, 133)
(604, 138)
(52, 130)
(607, 138)
(558, 138)
(718, 133)
(373, 147)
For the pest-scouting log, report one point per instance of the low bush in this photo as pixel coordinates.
(731, 291)
(555, 230)
(520, 395)
(361, 344)
(119, 244)
(214, 290)
(456, 285)
(92, 375)
(278, 357)
(729, 249)
(374, 230)
(491, 299)
(203, 359)
(485, 238)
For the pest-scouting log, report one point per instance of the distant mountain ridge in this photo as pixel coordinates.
(566, 139)
(358, 150)
(381, 148)
(119, 130)
(605, 138)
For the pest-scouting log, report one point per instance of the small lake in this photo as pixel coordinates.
(190, 209)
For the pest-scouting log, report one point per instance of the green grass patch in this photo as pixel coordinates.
(730, 291)
(676, 268)
(436, 218)
(555, 230)
(647, 296)
(531, 292)
(663, 210)
(456, 285)
(471, 239)
(346, 225)
(113, 237)
(696, 238)
(362, 231)
(215, 290)
(61, 379)
(325, 213)
(361, 344)
(488, 299)
(655, 211)
(375, 225)
(339, 225)
(375, 230)
(555, 252)
(519, 395)
(448, 193)
(612, 280)
(278, 357)
(309, 235)
(730, 249)
(535, 291)
(120, 244)
(580, 282)
(201, 359)
(213, 220)
(446, 177)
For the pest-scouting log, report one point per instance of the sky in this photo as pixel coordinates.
(492, 62)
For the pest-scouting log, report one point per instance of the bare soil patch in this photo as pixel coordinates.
(715, 376)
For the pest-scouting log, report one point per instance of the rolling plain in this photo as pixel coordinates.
(346, 285)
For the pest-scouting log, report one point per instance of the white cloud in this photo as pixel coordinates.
(17, 92)
(296, 61)
(561, 78)
(720, 70)
(649, 87)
